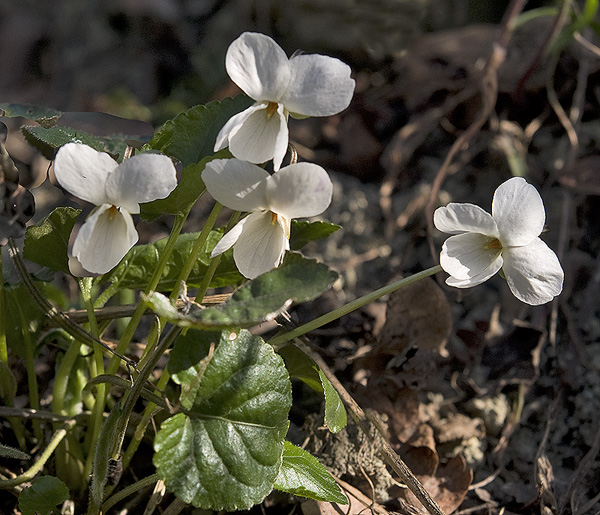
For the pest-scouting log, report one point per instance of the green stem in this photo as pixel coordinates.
(39, 464)
(210, 272)
(106, 295)
(6, 386)
(126, 492)
(97, 368)
(32, 383)
(197, 248)
(141, 427)
(152, 284)
(132, 395)
(3, 345)
(277, 341)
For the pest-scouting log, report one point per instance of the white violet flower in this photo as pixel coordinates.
(304, 85)
(117, 190)
(261, 239)
(507, 239)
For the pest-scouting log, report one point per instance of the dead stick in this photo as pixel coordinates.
(362, 419)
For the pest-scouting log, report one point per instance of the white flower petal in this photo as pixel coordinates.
(283, 138)
(76, 269)
(299, 190)
(533, 272)
(83, 171)
(261, 245)
(476, 279)
(233, 125)
(464, 256)
(104, 238)
(141, 178)
(258, 66)
(260, 136)
(236, 184)
(319, 86)
(459, 218)
(519, 212)
(228, 240)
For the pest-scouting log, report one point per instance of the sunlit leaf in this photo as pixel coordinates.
(48, 141)
(297, 280)
(302, 474)
(224, 453)
(335, 413)
(45, 116)
(303, 231)
(191, 135)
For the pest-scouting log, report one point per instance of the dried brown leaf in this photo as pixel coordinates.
(417, 316)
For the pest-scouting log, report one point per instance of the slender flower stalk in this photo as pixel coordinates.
(279, 340)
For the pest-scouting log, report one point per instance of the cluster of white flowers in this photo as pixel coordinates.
(303, 85)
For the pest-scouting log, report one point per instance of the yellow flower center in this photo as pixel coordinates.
(273, 218)
(494, 244)
(112, 211)
(271, 108)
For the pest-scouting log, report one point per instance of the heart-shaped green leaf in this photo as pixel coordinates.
(302, 474)
(224, 453)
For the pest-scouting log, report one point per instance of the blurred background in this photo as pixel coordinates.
(149, 59)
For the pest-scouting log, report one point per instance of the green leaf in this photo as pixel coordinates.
(6, 451)
(191, 135)
(300, 366)
(302, 474)
(188, 361)
(46, 242)
(42, 496)
(186, 193)
(22, 315)
(335, 413)
(45, 116)
(297, 280)
(138, 265)
(48, 141)
(225, 452)
(304, 231)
